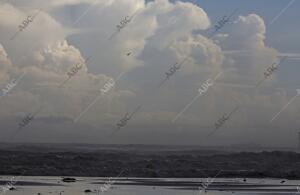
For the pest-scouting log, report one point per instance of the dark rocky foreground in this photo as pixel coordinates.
(136, 162)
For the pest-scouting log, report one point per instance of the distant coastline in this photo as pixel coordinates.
(151, 162)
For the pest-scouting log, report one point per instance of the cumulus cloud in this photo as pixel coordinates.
(160, 34)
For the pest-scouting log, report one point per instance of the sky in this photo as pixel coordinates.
(196, 72)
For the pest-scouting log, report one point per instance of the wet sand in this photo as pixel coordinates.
(152, 186)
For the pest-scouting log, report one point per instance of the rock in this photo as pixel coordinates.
(12, 188)
(68, 179)
(87, 191)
